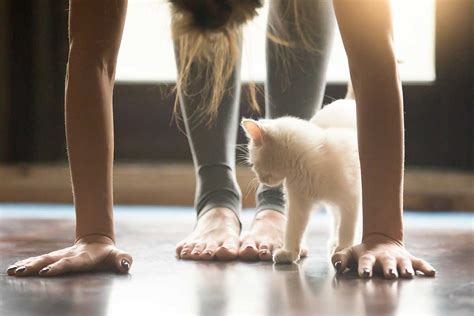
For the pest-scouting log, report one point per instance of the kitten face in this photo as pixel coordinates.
(263, 156)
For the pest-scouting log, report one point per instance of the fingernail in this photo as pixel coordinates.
(207, 252)
(409, 273)
(392, 273)
(44, 270)
(366, 273)
(338, 266)
(125, 264)
(20, 270)
(249, 247)
(184, 253)
(195, 252)
(10, 268)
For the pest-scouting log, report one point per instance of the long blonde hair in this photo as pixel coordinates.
(208, 35)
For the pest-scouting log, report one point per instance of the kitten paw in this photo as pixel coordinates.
(285, 256)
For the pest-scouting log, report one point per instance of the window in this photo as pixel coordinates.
(146, 54)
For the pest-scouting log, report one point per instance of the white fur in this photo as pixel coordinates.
(318, 162)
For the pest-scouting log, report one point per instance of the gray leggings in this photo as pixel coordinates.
(296, 90)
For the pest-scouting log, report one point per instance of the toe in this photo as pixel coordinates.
(265, 255)
(179, 248)
(186, 251)
(209, 252)
(228, 251)
(248, 251)
(197, 250)
(265, 251)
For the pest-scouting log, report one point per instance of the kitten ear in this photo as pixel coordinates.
(254, 130)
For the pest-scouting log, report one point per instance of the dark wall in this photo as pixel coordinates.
(33, 59)
(439, 117)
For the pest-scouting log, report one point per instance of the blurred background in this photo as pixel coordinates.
(434, 40)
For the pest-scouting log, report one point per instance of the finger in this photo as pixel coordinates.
(19, 264)
(366, 266)
(209, 251)
(81, 262)
(389, 267)
(198, 248)
(405, 268)
(342, 260)
(423, 266)
(122, 261)
(34, 266)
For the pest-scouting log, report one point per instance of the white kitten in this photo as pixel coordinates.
(318, 162)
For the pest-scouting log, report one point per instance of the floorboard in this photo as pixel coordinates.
(159, 284)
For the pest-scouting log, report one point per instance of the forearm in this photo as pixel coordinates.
(95, 34)
(366, 31)
(89, 131)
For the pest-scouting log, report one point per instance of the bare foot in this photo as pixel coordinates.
(265, 237)
(216, 235)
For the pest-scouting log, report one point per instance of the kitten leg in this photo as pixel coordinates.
(335, 222)
(348, 228)
(299, 209)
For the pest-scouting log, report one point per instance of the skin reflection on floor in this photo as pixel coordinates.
(161, 284)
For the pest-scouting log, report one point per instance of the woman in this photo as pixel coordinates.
(366, 31)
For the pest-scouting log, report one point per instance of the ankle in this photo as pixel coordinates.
(269, 214)
(221, 213)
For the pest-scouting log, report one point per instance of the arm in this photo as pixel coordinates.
(366, 30)
(95, 31)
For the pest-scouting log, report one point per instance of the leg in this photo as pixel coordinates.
(349, 231)
(346, 227)
(294, 73)
(218, 196)
(299, 210)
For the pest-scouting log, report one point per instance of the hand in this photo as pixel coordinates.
(383, 254)
(91, 253)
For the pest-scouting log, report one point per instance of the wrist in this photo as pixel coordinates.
(379, 237)
(94, 239)
(389, 224)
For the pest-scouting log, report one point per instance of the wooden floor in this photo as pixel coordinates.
(159, 284)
